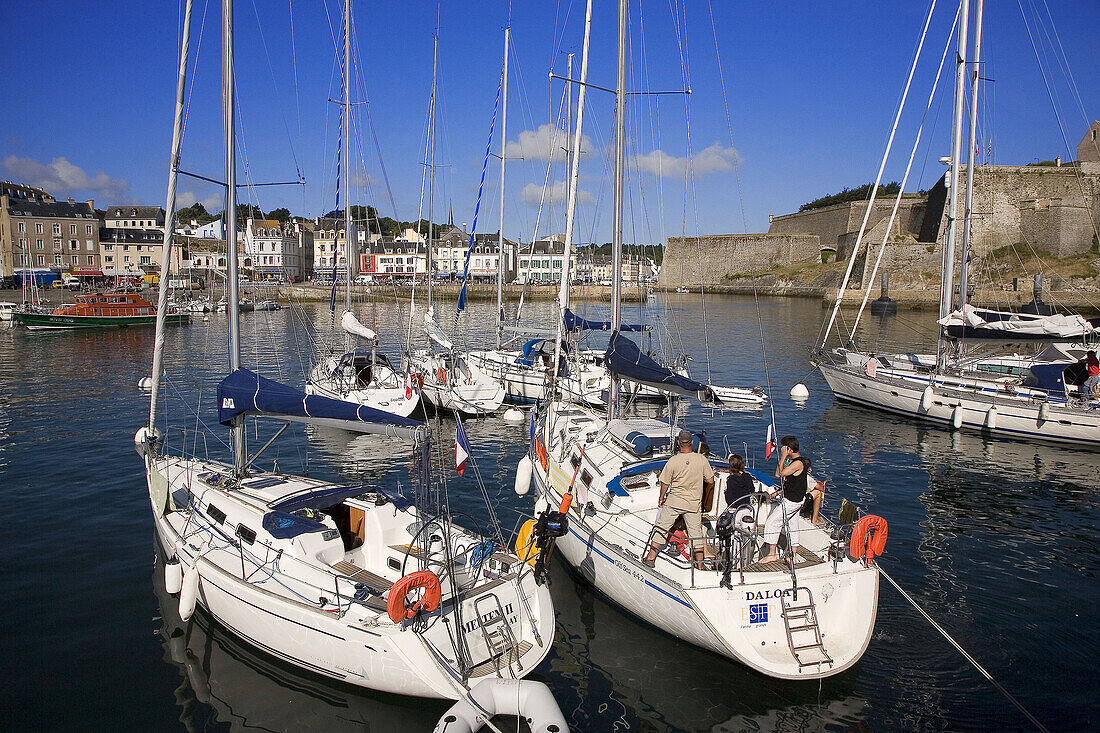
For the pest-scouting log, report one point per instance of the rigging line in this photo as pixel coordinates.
(729, 120)
(967, 656)
(193, 75)
(1065, 64)
(275, 84)
(1043, 73)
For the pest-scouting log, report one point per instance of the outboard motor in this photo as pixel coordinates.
(734, 531)
(551, 525)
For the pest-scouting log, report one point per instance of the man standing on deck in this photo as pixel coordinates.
(681, 483)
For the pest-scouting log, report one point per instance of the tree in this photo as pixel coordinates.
(851, 194)
(194, 212)
(279, 215)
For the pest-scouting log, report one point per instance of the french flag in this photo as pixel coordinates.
(769, 446)
(462, 447)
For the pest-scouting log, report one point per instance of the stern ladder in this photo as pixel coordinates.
(803, 633)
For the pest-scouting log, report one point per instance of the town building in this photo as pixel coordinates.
(132, 240)
(543, 261)
(387, 258)
(37, 232)
(329, 253)
(449, 255)
(271, 250)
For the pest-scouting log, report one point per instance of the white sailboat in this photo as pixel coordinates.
(448, 379)
(363, 376)
(1015, 397)
(352, 582)
(595, 475)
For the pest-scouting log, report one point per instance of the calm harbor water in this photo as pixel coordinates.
(998, 541)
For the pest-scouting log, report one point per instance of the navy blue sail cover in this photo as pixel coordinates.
(625, 359)
(574, 323)
(245, 392)
(1048, 377)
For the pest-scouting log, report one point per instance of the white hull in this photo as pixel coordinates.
(385, 390)
(457, 385)
(526, 384)
(271, 599)
(967, 403)
(743, 623)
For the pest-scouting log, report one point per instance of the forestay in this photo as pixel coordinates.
(245, 392)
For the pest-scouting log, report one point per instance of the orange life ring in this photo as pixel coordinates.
(543, 456)
(441, 375)
(868, 537)
(429, 600)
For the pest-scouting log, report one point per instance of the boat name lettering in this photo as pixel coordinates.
(227, 404)
(765, 595)
(487, 618)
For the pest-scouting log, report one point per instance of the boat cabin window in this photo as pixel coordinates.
(248, 536)
(216, 514)
(394, 563)
(586, 477)
(575, 459)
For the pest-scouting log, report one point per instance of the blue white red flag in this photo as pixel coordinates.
(462, 447)
(769, 446)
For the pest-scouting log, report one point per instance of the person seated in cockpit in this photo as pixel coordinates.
(739, 483)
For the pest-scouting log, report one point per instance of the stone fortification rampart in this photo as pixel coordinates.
(714, 259)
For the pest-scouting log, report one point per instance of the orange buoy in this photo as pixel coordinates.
(429, 601)
(543, 456)
(566, 500)
(868, 537)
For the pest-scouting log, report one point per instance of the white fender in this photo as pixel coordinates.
(145, 383)
(512, 415)
(1044, 411)
(991, 417)
(523, 475)
(523, 698)
(800, 392)
(189, 594)
(173, 576)
(957, 417)
(926, 398)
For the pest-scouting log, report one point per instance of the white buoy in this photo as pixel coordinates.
(957, 417)
(799, 392)
(1044, 411)
(189, 593)
(991, 417)
(513, 415)
(145, 383)
(173, 576)
(926, 399)
(523, 475)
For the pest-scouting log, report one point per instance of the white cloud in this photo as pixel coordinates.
(714, 159)
(532, 194)
(540, 144)
(363, 179)
(62, 178)
(212, 203)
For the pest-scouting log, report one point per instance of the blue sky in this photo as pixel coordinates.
(811, 89)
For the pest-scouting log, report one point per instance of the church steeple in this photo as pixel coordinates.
(450, 216)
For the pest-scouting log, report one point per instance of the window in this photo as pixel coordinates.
(38, 244)
(88, 229)
(41, 259)
(22, 243)
(56, 228)
(91, 259)
(57, 258)
(73, 245)
(109, 259)
(72, 229)
(23, 260)
(57, 244)
(216, 514)
(75, 260)
(108, 247)
(22, 227)
(38, 227)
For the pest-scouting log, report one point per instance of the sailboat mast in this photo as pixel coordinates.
(348, 244)
(169, 219)
(500, 236)
(232, 285)
(574, 175)
(947, 284)
(968, 213)
(617, 211)
(431, 168)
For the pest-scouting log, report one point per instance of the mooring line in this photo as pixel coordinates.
(962, 651)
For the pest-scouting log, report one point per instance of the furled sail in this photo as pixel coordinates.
(974, 323)
(351, 324)
(245, 392)
(623, 357)
(573, 323)
(435, 333)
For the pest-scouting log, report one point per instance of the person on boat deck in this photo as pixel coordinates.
(681, 483)
(1092, 384)
(739, 483)
(815, 494)
(792, 469)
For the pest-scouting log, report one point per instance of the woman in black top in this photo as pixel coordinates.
(739, 484)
